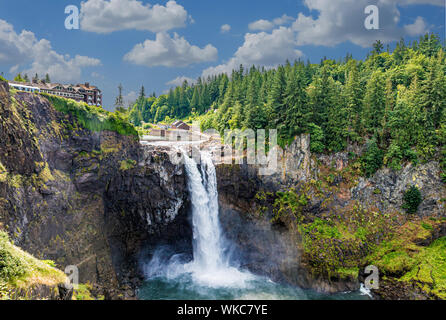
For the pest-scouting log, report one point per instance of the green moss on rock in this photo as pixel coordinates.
(405, 259)
(429, 270)
(127, 164)
(92, 118)
(83, 292)
(3, 173)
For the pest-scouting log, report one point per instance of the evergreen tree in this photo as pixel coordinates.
(372, 160)
(222, 87)
(183, 103)
(119, 102)
(390, 105)
(142, 93)
(396, 100)
(276, 101)
(374, 102)
(195, 102)
(378, 47)
(18, 78)
(321, 97)
(352, 103)
(135, 117)
(429, 44)
(298, 113)
(237, 116)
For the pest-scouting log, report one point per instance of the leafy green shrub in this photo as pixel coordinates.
(429, 269)
(372, 159)
(411, 155)
(289, 202)
(317, 138)
(2, 168)
(2, 79)
(92, 118)
(20, 270)
(412, 199)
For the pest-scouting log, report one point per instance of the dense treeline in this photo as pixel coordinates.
(394, 102)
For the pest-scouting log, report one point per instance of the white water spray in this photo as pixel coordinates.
(207, 236)
(209, 267)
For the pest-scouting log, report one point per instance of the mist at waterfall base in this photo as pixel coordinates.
(213, 272)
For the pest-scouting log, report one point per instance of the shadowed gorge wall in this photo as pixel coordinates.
(91, 199)
(317, 222)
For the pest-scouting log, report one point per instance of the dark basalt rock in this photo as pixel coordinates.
(67, 197)
(272, 249)
(392, 289)
(65, 292)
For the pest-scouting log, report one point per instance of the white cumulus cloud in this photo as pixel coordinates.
(130, 97)
(343, 21)
(170, 52)
(263, 25)
(416, 28)
(261, 49)
(28, 54)
(105, 16)
(225, 28)
(282, 20)
(178, 81)
(330, 23)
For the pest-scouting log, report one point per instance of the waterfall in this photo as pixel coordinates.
(210, 266)
(211, 274)
(208, 249)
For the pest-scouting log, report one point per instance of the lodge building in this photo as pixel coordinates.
(80, 92)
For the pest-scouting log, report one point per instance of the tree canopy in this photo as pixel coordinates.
(392, 102)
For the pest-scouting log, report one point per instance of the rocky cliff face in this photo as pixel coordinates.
(96, 200)
(267, 229)
(147, 207)
(263, 248)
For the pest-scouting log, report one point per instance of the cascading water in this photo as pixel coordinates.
(209, 266)
(210, 274)
(207, 239)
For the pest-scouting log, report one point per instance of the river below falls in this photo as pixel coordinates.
(185, 288)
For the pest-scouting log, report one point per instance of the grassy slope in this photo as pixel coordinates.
(92, 118)
(21, 271)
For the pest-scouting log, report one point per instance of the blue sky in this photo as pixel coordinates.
(151, 43)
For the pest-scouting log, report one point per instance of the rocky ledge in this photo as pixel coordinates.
(94, 199)
(316, 222)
